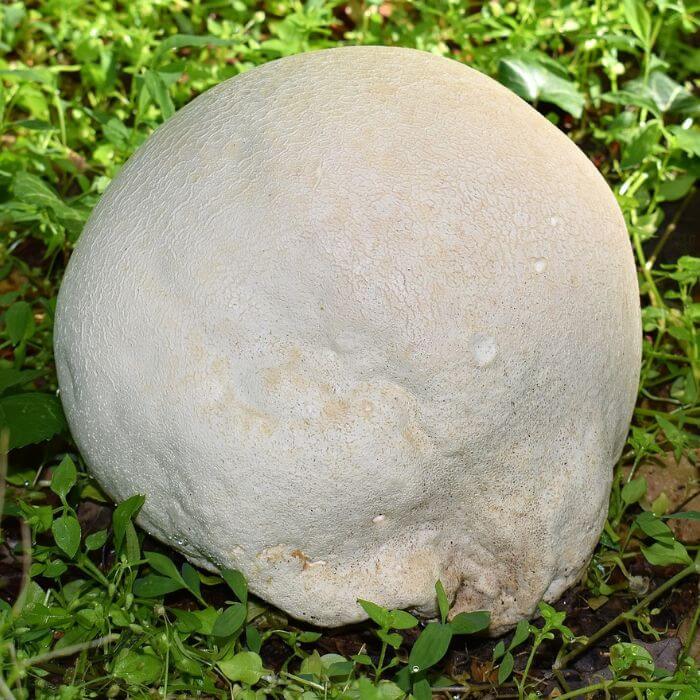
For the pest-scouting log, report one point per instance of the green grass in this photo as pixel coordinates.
(93, 608)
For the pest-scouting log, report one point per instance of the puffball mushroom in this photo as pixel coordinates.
(355, 321)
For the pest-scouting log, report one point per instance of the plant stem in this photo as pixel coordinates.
(692, 631)
(684, 573)
(382, 653)
(634, 685)
(70, 650)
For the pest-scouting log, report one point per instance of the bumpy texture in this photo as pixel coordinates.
(354, 321)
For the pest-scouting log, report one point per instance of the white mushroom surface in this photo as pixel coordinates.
(355, 321)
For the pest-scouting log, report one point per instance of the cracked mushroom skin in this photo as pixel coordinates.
(355, 321)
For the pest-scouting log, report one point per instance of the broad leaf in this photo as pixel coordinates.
(31, 417)
(534, 82)
(430, 647)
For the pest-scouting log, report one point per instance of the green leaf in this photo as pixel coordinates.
(673, 189)
(666, 554)
(230, 621)
(633, 490)
(422, 690)
(652, 526)
(643, 145)
(376, 613)
(638, 18)
(685, 515)
(31, 189)
(123, 514)
(163, 565)
(11, 378)
(443, 603)
(178, 41)
(31, 417)
(499, 650)
(191, 579)
(159, 93)
(253, 639)
(533, 81)
(393, 639)
(66, 532)
(506, 668)
(666, 94)
(19, 322)
(95, 540)
(136, 668)
(687, 140)
(237, 583)
(401, 620)
(430, 646)
(628, 659)
(674, 435)
(64, 477)
(246, 667)
(469, 623)
(155, 586)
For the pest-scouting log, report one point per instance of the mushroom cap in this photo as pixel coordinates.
(355, 321)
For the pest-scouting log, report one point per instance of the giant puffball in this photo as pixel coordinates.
(355, 321)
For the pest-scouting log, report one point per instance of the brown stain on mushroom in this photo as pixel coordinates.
(336, 409)
(305, 561)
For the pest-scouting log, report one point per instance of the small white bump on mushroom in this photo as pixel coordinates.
(484, 349)
(540, 265)
(554, 221)
(378, 519)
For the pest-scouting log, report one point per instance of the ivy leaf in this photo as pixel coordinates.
(533, 81)
(66, 532)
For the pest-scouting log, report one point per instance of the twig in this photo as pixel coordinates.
(603, 631)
